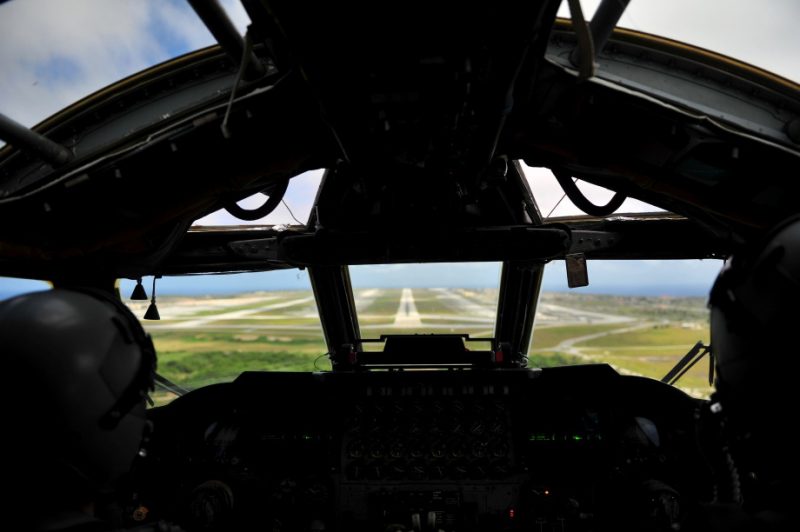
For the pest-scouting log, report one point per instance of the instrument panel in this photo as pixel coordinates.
(578, 448)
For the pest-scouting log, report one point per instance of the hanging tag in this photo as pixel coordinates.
(577, 272)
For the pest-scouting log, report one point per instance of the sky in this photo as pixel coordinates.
(53, 52)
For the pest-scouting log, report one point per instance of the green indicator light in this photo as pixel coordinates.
(577, 437)
(307, 437)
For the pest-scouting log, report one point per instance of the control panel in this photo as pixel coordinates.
(566, 449)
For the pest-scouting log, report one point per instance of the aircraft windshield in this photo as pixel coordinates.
(214, 327)
(553, 202)
(294, 209)
(10, 287)
(763, 34)
(52, 54)
(55, 53)
(426, 298)
(641, 317)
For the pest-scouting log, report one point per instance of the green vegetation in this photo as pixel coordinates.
(200, 358)
(656, 335)
(695, 380)
(651, 349)
(384, 304)
(549, 337)
(430, 302)
(552, 360)
(193, 370)
(270, 322)
(385, 321)
(484, 296)
(233, 308)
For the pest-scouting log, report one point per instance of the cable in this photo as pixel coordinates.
(328, 354)
(248, 46)
(559, 202)
(582, 202)
(274, 191)
(291, 213)
(170, 386)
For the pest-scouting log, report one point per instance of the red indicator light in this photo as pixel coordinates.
(511, 513)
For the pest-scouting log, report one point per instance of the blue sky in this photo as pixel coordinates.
(687, 278)
(652, 278)
(53, 52)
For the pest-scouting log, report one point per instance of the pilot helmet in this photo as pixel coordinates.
(755, 319)
(78, 369)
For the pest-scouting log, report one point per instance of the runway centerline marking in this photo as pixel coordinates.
(407, 315)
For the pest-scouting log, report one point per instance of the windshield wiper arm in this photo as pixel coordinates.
(688, 361)
(167, 385)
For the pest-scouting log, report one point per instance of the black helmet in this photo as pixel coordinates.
(755, 338)
(79, 367)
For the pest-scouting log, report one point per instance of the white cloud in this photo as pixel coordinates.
(53, 53)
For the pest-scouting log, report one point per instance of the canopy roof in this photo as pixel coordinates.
(420, 118)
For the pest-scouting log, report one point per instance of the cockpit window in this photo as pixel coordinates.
(214, 327)
(55, 53)
(766, 44)
(294, 208)
(641, 317)
(11, 286)
(426, 298)
(553, 202)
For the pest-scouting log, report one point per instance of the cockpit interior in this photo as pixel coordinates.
(422, 118)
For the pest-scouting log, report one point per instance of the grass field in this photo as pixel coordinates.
(653, 351)
(549, 337)
(206, 340)
(664, 334)
(650, 343)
